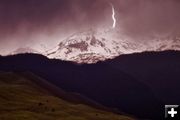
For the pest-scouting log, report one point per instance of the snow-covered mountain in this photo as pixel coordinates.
(166, 43)
(24, 50)
(91, 46)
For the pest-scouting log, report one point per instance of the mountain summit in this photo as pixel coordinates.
(24, 50)
(90, 47)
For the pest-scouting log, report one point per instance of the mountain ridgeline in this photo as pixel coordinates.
(137, 84)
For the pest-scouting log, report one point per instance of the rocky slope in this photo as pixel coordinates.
(92, 46)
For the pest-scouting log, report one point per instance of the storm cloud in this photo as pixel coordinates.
(146, 17)
(29, 22)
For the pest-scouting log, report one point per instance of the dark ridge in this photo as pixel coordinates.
(128, 82)
(159, 70)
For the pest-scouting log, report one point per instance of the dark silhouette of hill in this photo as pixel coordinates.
(159, 70)
(111, 83)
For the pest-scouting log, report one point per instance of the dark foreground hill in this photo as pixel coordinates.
(158, 70)
(21, 98)
(135, 84)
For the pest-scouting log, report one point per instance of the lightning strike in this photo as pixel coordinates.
(113, 16)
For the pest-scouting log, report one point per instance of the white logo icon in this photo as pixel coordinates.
(172, 112)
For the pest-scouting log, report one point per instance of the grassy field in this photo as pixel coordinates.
(21, 99)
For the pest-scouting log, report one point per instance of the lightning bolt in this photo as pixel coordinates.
(113, 16)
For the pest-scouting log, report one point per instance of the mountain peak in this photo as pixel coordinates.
(93, 45)
(86, 47)
(24, 50)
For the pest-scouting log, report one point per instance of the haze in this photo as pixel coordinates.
(38, 23)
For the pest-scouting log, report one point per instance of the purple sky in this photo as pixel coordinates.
(33, 22)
